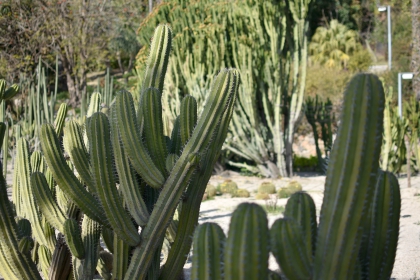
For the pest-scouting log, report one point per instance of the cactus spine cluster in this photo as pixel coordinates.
(124, 181)
(359, 222)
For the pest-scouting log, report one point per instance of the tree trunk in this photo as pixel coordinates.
(415, 55)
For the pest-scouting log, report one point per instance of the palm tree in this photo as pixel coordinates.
(333, 45)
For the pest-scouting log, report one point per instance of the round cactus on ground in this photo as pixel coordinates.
(241, 193)
(291, 188)
(267, 187)
(211, 191)
(294, 185)
(228, 186)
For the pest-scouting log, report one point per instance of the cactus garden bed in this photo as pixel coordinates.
(220, 208)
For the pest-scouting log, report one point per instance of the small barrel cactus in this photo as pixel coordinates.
(291, 188)
(241, 193)
(211, 191)
(264, 190)
(228, 186)
(267, 187)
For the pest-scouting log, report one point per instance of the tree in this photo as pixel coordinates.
(333, 45)
(78, 31)
(415, 58)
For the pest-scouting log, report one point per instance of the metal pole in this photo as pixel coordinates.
(399, 95)
(389, 37)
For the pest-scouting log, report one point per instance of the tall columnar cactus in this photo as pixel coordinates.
(267, 41)
(128, 177)
(359, 222)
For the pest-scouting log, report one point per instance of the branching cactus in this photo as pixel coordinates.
(124, 182)
(359, 222)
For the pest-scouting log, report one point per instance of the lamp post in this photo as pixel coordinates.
(402, 76)
(405, 76)
(388, 13)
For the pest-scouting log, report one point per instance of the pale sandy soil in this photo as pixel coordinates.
(219, 210)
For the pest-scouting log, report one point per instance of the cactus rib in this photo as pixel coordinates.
(133, 145)
(65, 177)
(103, 175)
(128, 183)
(46, 202)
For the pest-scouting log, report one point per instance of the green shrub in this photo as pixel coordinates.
(305, 164)
(360, 61)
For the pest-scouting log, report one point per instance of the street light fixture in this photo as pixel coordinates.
(388, 13)
(402, 76)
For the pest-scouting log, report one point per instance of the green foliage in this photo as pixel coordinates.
(360, 61)
(358, 229)
(304, 164)
(333, 45)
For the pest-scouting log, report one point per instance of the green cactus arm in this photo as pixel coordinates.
(65, 178)
(104, 266)
(120, 263)
(290, 250)
(128, 182)
(301, 208)
(60, 118)
(37, 162)
(28, 200)
(382, 237)
(2, 87)
(103, 175)
(108, 238)
(208, 247)
(247, 244)
(176, 138)
(133, 145)
(91, 232)
(24, 227)
(45, 256)
(75, 147)
(188, 118)
(73, 237)
(11, 92)
(46, 202)
(153, 127)
(21, 266)
(3, 129)
(353, 167)
(188, 217)
(223, 90)
(60, 267)
(94, 104)
(157, 62)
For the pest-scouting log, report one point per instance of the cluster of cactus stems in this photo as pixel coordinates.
(267, 41)
(124, 181)
(319, 114)
(358, 229)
